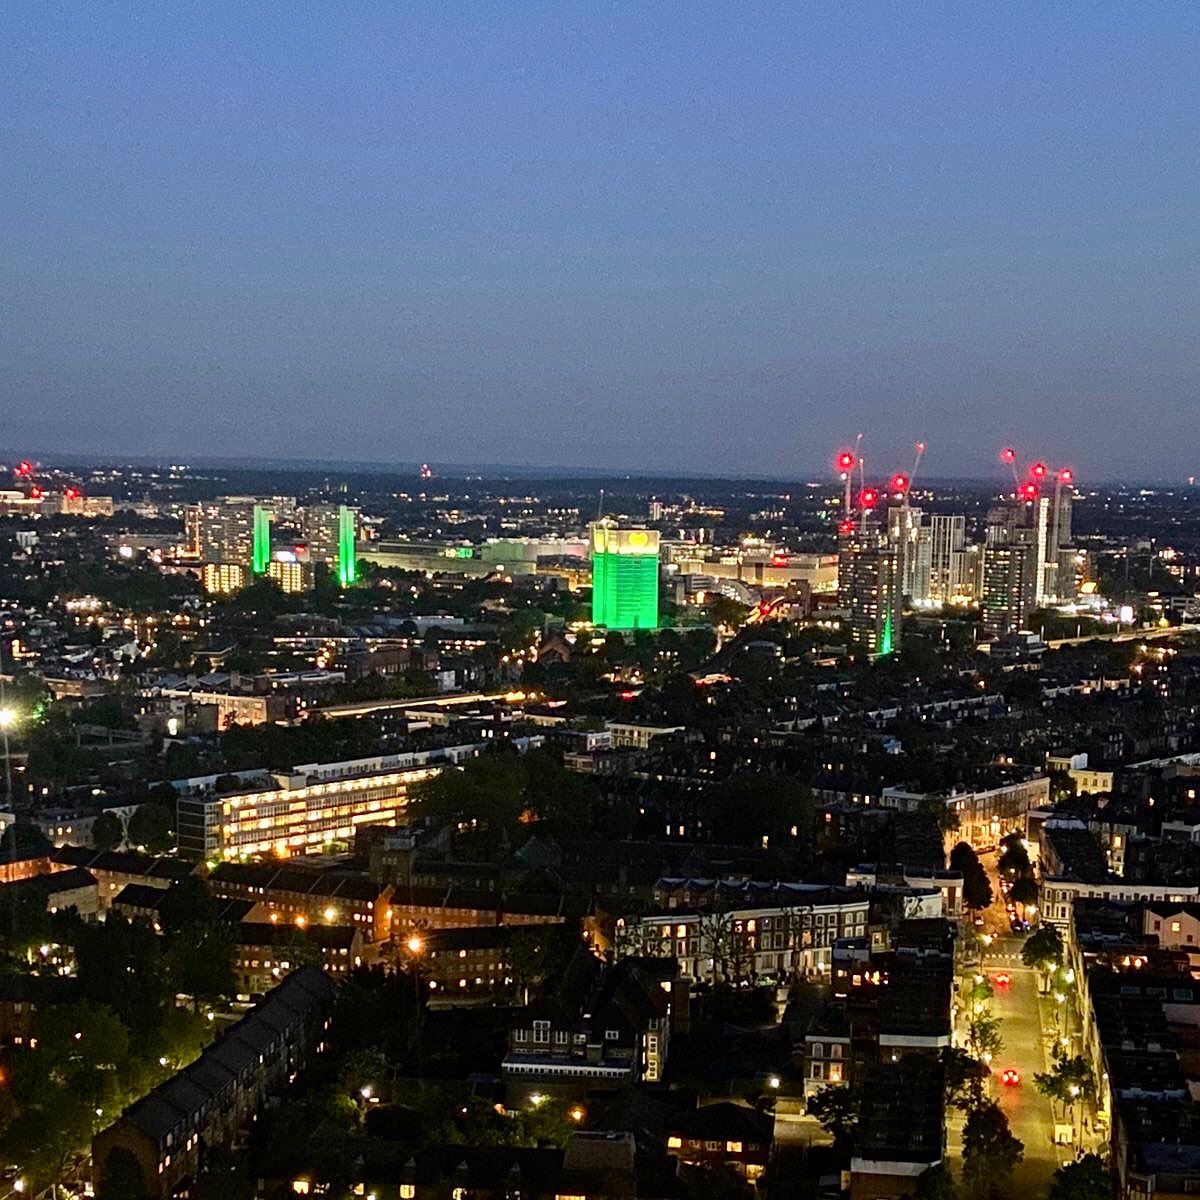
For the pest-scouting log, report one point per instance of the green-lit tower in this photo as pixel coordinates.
(260, 554)
(624, 577)
(347, 562)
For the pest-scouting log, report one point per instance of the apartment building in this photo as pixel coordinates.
(206, 1105)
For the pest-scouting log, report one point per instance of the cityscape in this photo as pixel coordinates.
(599, 603)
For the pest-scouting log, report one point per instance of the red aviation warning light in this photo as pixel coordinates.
(71, 493)
(24, 467)
(1008, 455)
(899, 484)
(1038, 470)
(1028, 492)
(35, 493)
(846, 528)
(845, 461)
(868, 498)
(1066, 476)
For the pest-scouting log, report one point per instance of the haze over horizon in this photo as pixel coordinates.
(604, 238)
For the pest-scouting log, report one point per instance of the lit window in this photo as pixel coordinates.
(733, 1147)
(674, 1143)
(407, 1191)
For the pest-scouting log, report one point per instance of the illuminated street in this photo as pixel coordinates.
(1027, 1110)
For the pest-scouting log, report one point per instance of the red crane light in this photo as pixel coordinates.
(845, 461)
(846, 528)
(1028, 492)
(1038, 470)
(899, 483)
(868, 498)
(71, 493)
(1008, 455)
(35, 493)
(1066, 475)
(24, 467)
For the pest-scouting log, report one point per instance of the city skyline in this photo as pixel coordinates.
(536, 237)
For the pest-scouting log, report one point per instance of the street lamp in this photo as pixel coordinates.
(415, 945)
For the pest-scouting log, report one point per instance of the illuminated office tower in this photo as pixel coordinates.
(624, 577)
(1011, 568)
(947, 537)
(873, 569)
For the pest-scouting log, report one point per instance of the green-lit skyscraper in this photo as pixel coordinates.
(624, 577)
(260, 555)
(347, 562)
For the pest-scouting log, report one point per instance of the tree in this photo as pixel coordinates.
(752, 808)
(153, 826)
(1024, 891)
(977, 888)
(1068, 1080)
(201, 963)
(24, 835)
(1086, 1178)
(836, 1110)
(963, 858)
(935, 1183)
(990, 1152)
(983, 1035)
(1043, 949)
(107, 831)
(121, 1177)
(965, 1078)
(185, 903)
(1014, 858)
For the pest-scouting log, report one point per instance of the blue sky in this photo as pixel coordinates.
(642, 236)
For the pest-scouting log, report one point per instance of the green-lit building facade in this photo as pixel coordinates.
(624, 577)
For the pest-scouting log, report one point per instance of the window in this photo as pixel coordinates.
(541, 1031)
(674, 1143)
(1175, 926)
(611, 1035)
(733, 1147)
(521, 1035)
(818, 1050)
(407, 1191)
(817, 1071)
(835, 1051)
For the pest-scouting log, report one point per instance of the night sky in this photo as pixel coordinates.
(657, 236)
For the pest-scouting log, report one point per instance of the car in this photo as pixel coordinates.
(1003, 979)
(1010, 1077)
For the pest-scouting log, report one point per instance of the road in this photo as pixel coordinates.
(1028, 1111)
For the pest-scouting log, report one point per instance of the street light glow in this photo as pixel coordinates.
(8, 718)
(415, 945)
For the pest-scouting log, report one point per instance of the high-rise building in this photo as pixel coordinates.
(1010, 568)
(624, 577)
(1056, 556)
(223, 578)
(236, 529)
(291, 574)
(331, 532)
(947, 537)
(911, 538)
(870, 570)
